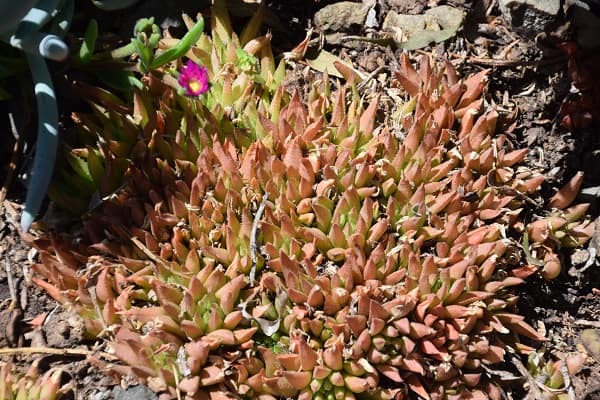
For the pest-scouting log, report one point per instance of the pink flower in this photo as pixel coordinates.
(194, 79)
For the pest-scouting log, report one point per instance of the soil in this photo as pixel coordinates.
(531, 78)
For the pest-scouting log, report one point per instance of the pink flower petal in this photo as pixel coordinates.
(194, 79)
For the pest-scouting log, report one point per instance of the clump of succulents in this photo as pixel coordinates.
(560, 228)
(552, 376)
(267, 246)
(31, 385)
(244, 81)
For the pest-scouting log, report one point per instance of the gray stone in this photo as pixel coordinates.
(139, 392)
(595, 241)
(372, 20)
(590, 338)
(529, 17)
(580, 257)
(344, 16)
(417, 31)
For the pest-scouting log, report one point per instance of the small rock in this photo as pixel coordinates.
(64, 328)
(344, 16)
(595, 241)
(417, 31)
(372, 20)
(139, 392)
(407, 6)
(11, 326)
(529, 17)
(580, 257)
(590, 338)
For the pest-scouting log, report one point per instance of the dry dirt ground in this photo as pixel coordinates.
(531, 77)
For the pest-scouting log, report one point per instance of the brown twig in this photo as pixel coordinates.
(12, 166)
(92, 292)
(253, 232)
(51, 350)
(534, 391)
(372, 75)
(492, 62)
(583, 322)
(148, 253)
(12, 287)
(567, 378)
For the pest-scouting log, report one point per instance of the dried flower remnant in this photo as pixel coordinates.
(194, 79)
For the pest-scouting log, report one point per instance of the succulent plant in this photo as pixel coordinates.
(265, 246)
(560, 228)
(552, 377)
(32, 385)
(245, 80)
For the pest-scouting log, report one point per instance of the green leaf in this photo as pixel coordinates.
(111, 5)
(86, 51)
(95, 166)
(102, 97)
(124, 51)
(278, 76)
(252, 29)
(114, 177)
(62, 194)
(153, 40)
(145, 54)
(245, 61)
(143, 25)
(221, 25)
(179, 50)
(79, 165)
(120, 80)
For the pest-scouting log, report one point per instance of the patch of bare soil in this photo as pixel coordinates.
(531, 79)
